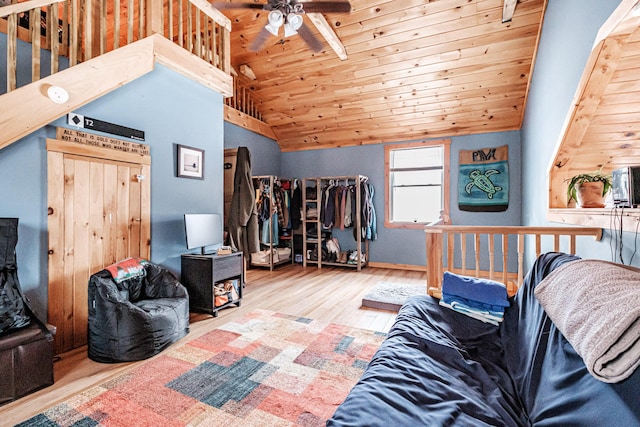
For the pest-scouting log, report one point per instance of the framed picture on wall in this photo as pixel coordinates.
(190, 162)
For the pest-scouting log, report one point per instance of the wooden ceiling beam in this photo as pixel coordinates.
(329, 35)
(508, 9)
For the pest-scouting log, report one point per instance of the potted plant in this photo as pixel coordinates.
(589, 189)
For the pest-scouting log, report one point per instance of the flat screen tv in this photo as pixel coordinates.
(203, 230)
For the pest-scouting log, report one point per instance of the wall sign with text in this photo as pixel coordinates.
(84, 122)
(87, 138)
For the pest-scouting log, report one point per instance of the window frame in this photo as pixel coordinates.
(446, 171)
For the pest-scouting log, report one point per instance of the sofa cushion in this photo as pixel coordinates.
(127, 268)
(129, 278)
(524, 325)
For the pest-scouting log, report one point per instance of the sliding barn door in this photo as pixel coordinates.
(98, 215)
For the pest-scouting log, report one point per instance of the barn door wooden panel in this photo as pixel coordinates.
(97, 210)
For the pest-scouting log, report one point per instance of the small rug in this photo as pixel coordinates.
(390, 296)
(264, 369)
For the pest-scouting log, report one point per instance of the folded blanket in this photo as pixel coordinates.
(596, 306)
(475, 314)
(472, 303)
(481, 290)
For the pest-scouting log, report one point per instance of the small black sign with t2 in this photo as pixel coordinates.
(84, 122)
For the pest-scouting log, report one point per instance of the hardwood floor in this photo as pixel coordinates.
(329, 294)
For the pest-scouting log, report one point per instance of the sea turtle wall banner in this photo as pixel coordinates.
(483, 183)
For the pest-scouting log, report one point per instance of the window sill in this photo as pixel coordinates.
(408, 225)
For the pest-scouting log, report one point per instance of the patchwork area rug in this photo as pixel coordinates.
(390, 296)
(265, 369)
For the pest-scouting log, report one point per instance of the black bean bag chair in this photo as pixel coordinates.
(136, 310)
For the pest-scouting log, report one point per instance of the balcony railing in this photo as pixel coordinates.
(486, 251)
(74, 31)
(242, 101)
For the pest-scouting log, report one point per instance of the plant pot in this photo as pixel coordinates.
(590, 195)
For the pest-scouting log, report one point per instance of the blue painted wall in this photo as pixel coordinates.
(265, 152)
(569, 30)
(407, 246)
(171, 109)
(23, 191)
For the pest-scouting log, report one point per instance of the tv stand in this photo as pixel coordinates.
(201, 273)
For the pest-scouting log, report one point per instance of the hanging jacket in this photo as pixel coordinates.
(296, 207)
(243, 218)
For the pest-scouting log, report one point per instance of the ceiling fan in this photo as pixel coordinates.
(288, 13)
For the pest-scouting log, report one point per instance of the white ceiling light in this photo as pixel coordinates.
(57, 94)
(275, 22)
(294, 22)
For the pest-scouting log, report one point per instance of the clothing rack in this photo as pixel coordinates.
(315, 243)
(272, 242)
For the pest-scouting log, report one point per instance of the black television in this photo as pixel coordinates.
(203, 230)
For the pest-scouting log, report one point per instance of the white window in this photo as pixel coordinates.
(417, 187)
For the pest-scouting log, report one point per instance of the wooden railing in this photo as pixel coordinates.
(78, 30)
(24, 21)
(200, 28)
(484, 251)
(241, 101)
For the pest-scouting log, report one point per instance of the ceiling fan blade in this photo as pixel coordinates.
(313, 42)
(325, 6)
(223, 6)
(262, 37)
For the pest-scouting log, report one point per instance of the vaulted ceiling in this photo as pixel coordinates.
(415, 69)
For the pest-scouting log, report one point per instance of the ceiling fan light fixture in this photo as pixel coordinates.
(294, 22)
(275, 22)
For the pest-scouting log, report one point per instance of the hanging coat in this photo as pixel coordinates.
(243, 218)
(296, 207)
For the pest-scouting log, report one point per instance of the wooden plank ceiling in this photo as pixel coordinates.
(415, 69)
